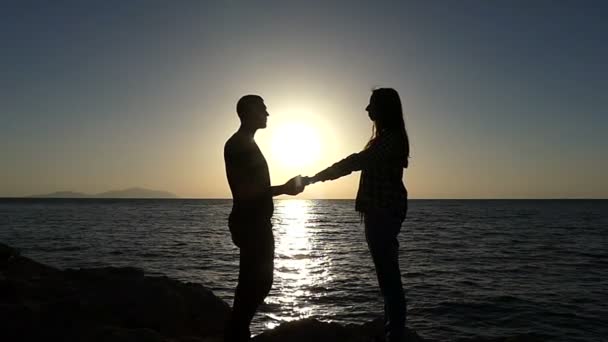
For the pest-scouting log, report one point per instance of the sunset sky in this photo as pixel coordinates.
(502, 99)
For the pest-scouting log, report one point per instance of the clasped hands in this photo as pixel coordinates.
(297, 184)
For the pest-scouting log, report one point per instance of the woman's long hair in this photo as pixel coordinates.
(388, 116)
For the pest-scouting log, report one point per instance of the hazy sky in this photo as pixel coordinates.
(503, 99)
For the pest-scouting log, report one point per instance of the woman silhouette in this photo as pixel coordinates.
(381, 198)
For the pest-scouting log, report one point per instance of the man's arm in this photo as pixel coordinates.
(278, 190)
(293, 187)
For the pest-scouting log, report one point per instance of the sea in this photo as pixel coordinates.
(469, 267)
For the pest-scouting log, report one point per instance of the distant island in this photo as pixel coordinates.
(126, 193)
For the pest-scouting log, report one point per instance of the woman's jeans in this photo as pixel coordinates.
(381, 230)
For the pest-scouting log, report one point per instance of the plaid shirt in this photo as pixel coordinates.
(381, 165)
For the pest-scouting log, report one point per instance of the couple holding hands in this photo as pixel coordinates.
(381, 200)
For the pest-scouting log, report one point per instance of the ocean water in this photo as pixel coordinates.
(469, 267)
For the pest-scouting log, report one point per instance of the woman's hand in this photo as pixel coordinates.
(308, 180)
(294, 186)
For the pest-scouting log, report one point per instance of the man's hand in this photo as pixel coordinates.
(308, 180)
(294, 186)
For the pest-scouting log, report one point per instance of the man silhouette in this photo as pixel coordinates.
(252, 208)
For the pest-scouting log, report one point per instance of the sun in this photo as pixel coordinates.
(295, 145)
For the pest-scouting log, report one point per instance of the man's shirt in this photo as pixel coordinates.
(249, 180)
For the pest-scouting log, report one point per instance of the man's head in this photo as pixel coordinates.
(252, 111)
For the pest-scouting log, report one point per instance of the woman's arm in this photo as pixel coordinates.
(340, 169)
(384, 148)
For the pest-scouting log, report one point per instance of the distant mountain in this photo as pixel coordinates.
(126, 193)
(63, 194)
(136, 193)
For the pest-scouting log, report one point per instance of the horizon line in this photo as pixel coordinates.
(312, 199)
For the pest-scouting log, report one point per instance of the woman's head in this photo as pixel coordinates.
(385, 110)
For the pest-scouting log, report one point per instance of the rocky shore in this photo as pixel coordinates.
(42, 303)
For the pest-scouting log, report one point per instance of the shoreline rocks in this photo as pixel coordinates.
(39, 302)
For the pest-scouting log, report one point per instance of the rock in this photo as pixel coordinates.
(7, 252)
(519, 338)
(117, 334)
(102, 304)
(307, 330)
(313, 330)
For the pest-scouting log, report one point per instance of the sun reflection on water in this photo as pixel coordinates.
(300, 269)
